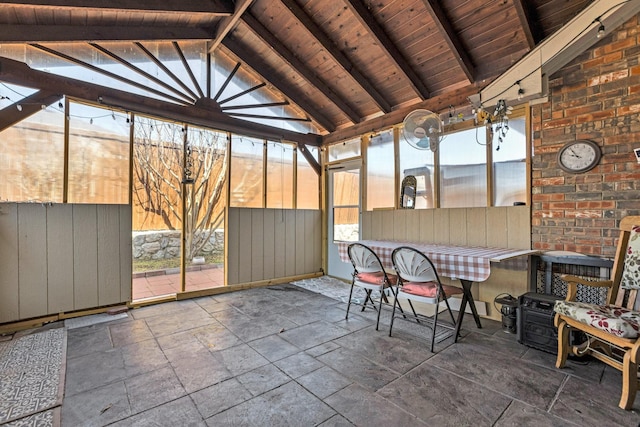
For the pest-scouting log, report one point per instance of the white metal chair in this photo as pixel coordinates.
(418, 281)
(369, 274)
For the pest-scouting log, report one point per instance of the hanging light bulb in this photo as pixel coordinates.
(60, 105)
(91, 121)
(601, 28)
(19, 107)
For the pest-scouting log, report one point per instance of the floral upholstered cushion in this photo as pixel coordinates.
(631, 273)
(615, 320)
(428, 289)
(377, 278)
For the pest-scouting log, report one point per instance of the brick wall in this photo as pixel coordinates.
(595, 97)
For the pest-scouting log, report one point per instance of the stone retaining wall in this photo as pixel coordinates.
(164, 244)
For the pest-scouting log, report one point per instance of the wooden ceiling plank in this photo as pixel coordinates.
(363, 14)
(265, 71)
(443, 24)
(16, 72)
(527, 16)
(302, 68)
(263, 105)
(211, 7)
(227, 24)
(61, 33)
(106, 73)
(187, 68)
(30, 105)
(141, 72)
(164, 68)
(337, 54)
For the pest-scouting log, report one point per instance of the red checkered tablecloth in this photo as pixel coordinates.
(459, 262)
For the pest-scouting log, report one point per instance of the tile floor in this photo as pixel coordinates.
(283, 355)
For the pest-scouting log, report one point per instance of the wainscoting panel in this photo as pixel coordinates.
(266, 244)
(57, 258)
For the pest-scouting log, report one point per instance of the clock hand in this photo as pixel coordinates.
(573, 153)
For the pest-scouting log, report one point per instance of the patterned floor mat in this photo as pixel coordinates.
(32, 378)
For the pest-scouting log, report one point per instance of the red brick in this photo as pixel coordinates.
(609, 77)
(601, 204)
(583, 214)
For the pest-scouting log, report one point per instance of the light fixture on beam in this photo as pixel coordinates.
(601, 29)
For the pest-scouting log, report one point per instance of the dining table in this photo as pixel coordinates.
(469, 264)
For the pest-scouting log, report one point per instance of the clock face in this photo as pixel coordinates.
(579, 156)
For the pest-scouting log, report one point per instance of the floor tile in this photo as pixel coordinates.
(288, 405)
(129, 332)
(311, 335)
(240, 359)
(520, 414)
(358, 369)
(93, 370)
(153, 388)
(263, 379)
(181, 412)
(298, 364)
(323, 382)
(219, 397)
(97, 407)
(273, 347)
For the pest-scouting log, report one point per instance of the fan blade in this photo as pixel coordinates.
(424, 143)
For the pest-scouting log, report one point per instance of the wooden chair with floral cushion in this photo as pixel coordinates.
(612, 329)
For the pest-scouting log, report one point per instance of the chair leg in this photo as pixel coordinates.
(395, 298)
(368, 298)
(393, 313)
(446, 301)
(379, 311)
(563, 344)
(415, 315)
(433, 330)
(349, 302)
(629, 382)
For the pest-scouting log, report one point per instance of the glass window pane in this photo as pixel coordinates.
(344, 150)
(308, 191)
(279, 175)
(346, 186)
(246, 172)
(381, 171)
(158, 172)
(509, 165)
(463, 169)
(98, 155)
(345, 224)
(421, 164)
(32, 159)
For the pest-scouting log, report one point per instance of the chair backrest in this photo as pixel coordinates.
(625, 273)
(412, 265)
(364, 259)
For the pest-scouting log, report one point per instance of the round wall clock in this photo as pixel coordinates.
(579, 156)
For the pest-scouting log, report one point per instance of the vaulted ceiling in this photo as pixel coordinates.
(340, 63)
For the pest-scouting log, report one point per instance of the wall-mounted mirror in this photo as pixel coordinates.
(408, 192)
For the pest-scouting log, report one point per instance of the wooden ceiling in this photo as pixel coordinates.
(345, 64)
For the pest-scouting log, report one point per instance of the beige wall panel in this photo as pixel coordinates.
(126, 255)
(441, 226)
(387, 224)
(245, 241)
(458, 226)
(476, 227)
(501, 281)
(268, 247)
(301, 245)
(280, 238)
(365, 227)
(497, 235)
(60, 258)
(9, 285)
(32, 259)
(311, 252)
(108, 254)
(232, 243)
(317, 238)
(376, 225)
(290, 242)
(519, 227)
(400, 225)
(426, 225)
(257, 244)
(412, 218)
(85, 256)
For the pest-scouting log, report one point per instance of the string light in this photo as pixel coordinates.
(601, 29)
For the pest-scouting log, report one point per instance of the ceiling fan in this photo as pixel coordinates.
(423, 129)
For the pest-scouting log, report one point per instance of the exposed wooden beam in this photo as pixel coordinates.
(450, 37)
(438, 104)
(527, 15)
(187, 68)
(61, 33)
(363, 13)
(337, 54)
(227, 24)
(300, 66)
(266, 71)
(211, 7)
(313, 162)
(30, 105)
(16, 72)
